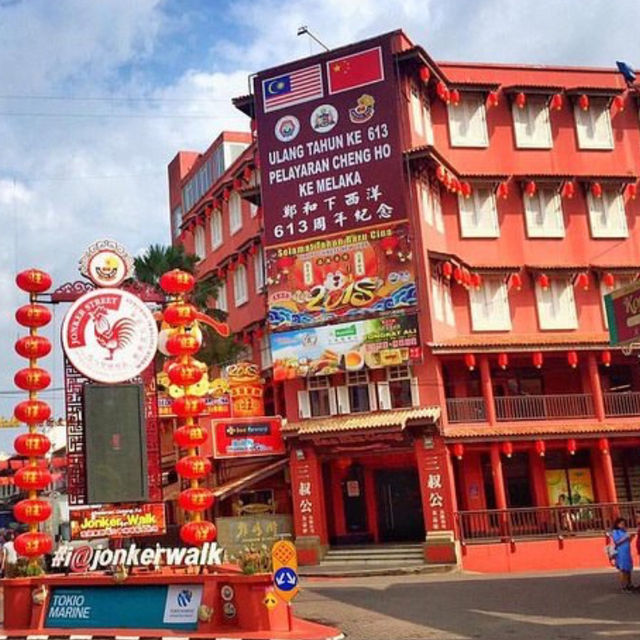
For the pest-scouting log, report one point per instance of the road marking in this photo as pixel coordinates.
(617, 632)
(547, 620)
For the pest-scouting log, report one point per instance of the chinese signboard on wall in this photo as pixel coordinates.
(247, 437)
(326, 350)
(123, 521)
(236, 533)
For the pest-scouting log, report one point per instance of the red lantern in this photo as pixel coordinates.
(470, 361)
(618, 103)
(285, 263)
(182, 344)
(521, 100)
(503, 190)
(183, 374)
(32, 511)
(454, 185)
(568, 189)
(596, 190)
(583, 101)
(507, 449)
(176, 282)
(543, 281)
(458, 450)
(33, 280)
(605, 358)
(457, 275)
(259, 332)
(32, 379)
(190, 436)
(32, 411)
(193, 467)
(603, 445)
(572, 359)
(253, 249)
(198, 532)
(632, 191)
(454, 96)
(32, 478)
(516, 281)
(226, 194)
(197, 499)
(424, 73)
(609, 280)
(466, 277)
(583, 281)
(465, 189)
(33, 315)
(540, 448)
(188, 406)
(475, 281)
(556, 102)
(531, 188)
(217, 203)
(572, 446)
(246, 338)
(440, 173)
(247, 173)
(503, 360)
(33, 347)
(237, 184)
(538, 359)
(447, 270)
(492, 99)
(180, 314)
(32, 444)
(33, 544)
(442, 91)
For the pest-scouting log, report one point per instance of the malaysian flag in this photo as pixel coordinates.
(292, 88)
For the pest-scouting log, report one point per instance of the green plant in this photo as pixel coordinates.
(253, 560)
(23, 569)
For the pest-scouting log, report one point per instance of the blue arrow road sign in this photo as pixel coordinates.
(285, 579)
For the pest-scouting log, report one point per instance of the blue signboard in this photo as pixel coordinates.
(126, 607)
(285, 579)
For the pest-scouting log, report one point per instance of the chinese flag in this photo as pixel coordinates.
(355, 70)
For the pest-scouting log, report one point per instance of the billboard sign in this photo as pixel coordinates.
(329, 143)
(122, 521)
(247, 437)
(362, 272)
(350, 346)
(623, 314)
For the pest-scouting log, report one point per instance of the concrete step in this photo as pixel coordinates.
(392, 562)
(365, 554)
(355, 571)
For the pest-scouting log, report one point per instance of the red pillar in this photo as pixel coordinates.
(538, 479)
(595, 386)
(487, 389)
(498, 478)
(609, 479)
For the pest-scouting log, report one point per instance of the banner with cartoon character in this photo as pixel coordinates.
(359, 274)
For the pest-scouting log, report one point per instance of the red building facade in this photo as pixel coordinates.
(508, 437)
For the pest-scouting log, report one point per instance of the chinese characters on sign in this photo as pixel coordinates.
(303, 497)
(235, 533)
(436, 493)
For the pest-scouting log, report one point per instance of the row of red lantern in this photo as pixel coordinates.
(34, 476)
(461, 275)
(240, 259)
(184, 371)
(452, 183)
(247, 337)
(537, 359)
(457, 449)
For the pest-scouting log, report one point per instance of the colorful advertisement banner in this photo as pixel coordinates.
(319, 351)
(330, 143)
(569, 487)
(361, 273)
(623, 314)
(123, 521)
(247, 437)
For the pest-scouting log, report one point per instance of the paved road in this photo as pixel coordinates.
(580, 606)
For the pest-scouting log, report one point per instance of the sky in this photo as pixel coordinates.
(97, 96)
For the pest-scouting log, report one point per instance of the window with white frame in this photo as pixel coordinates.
(221, 300)
(449, 316)
(399, 390)
(176, 218)
(543, 214)
(216, 229)
(607, 216)
(424, 197)
(266, 360)
(490, 306)
(421, 113)
(235, 213)
(556, 305)
(437, 301)
(318, 399)
(621, 281)
(240, 289)
(531, 124)
(467, 121)
(258, 269)
(358, 394)
(593, 125)
(479, 214)
(199, 242)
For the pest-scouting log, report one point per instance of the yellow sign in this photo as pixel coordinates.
(283, 554)
(270, 601)
(285, 567)
(6, 423)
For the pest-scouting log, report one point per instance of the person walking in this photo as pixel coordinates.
(621, 540)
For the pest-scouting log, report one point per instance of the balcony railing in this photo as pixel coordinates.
(466, 410)
(542, 522)
(569, 405)
(625, 403)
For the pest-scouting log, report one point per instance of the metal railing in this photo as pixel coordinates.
(625, 403)
(466, 410)
(568, 405)
(506, 525)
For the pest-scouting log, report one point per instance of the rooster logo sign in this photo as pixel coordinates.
(111, 337)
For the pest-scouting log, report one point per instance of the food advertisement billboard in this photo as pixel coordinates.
(350, 346)
(361, 273)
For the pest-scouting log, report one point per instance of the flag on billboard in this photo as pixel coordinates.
(355, 70)
(292, 88)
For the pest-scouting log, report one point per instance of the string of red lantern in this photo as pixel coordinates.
(184, 371)
(34, 445)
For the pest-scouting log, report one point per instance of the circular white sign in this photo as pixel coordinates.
(287, 128)
(324, 118)
(107, 268)
(109, 335)
(227, 592)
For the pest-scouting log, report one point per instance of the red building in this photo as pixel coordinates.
(509, 438)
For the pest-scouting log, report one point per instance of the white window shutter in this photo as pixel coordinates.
(425, 201)
(304, 404)
(551, 204)
(467, 211)
(436, 299)
(333, 402)
(343, 399)
(415, 393)
(373, 397)
(437, 207)
(616, 214)
(416, 111)
(384, 396)
(426, 118)
(545, 307)
(449, 316)
(534, 215)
